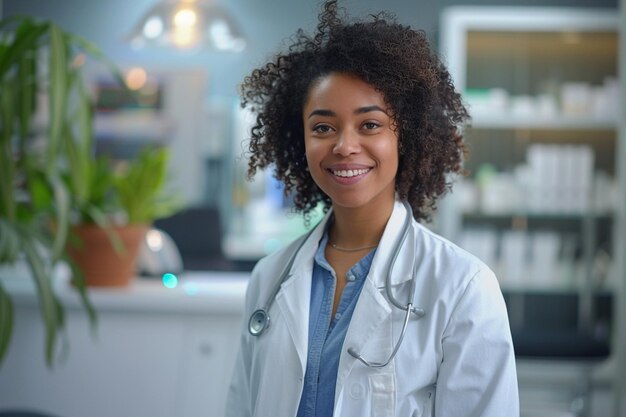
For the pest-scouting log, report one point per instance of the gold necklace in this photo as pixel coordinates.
(339, 248)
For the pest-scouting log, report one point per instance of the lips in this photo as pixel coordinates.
(348, 174)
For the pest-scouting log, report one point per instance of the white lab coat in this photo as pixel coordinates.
(456, 361)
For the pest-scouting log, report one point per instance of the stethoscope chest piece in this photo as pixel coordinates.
(259, 322)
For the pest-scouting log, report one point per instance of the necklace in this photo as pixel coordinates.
(339, 248)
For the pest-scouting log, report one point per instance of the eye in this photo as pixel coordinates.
(322, 129)
(371, 125)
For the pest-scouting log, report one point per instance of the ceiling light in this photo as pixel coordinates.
(187, 25)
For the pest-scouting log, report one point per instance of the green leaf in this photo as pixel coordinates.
(27, 37)
(8, 95)
(9, 242)
(4, 47)
(4, 242)
(40, 192)
(6, 322)
(8, 21)
(78, 160)
(28, 87)
(7, 162)
(58, 92)
(79, 148)
(48, 303)
(102, 220)
(62, 210)
(78, 280)
(85, 118)
(140, 187)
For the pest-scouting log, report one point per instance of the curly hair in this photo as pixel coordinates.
(398, 62)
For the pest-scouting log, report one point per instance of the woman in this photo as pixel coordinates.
(364, 119)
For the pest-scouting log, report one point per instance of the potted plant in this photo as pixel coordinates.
(47, 168)
(114, 214)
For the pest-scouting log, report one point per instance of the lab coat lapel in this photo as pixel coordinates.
(371, 311)
(294, 297)
(386, 250)
(293, 301)
(371, 328)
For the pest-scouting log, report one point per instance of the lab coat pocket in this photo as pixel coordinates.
(383, 389)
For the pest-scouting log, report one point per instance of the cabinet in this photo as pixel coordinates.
(156, 351)
(539, 202)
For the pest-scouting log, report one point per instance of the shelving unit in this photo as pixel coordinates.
(517, 68)
(172, 113)
(559, 122)
(541, 87)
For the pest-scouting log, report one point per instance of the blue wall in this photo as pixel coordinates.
(267, 24)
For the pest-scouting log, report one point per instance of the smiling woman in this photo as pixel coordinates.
(394, 60)
(364, 118)
(351, 145)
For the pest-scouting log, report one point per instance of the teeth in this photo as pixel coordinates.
(347, 173)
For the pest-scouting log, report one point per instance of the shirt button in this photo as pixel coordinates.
(350, 277)
(356, 391)
(337, 316)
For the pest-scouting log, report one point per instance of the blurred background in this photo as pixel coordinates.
(542, 203)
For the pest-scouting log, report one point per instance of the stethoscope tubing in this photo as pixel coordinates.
(260, 320)
(392, 298)
(405, 325)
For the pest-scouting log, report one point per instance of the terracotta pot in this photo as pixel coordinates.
(94, 254)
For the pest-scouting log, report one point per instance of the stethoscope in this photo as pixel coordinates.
(260, 319)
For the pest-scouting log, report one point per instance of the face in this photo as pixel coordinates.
(351, 147)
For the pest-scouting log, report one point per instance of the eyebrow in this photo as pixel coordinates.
(360, 110)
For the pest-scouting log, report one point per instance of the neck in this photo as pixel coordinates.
(355, 228)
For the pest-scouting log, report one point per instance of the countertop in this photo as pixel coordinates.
(194, 291)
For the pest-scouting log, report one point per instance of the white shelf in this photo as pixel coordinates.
(540, 215)
(509, 121)
(134, 125)
(512, 289)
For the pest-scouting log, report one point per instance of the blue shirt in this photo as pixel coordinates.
(326, 334)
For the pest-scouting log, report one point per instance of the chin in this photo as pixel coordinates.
(354, 203)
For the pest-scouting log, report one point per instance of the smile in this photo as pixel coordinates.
(349, 173)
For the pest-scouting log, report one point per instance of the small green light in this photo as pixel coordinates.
(170, 280)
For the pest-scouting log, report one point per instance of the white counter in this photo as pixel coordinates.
(156, 351)
(199, 291)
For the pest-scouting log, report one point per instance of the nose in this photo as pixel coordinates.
(348, 143)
